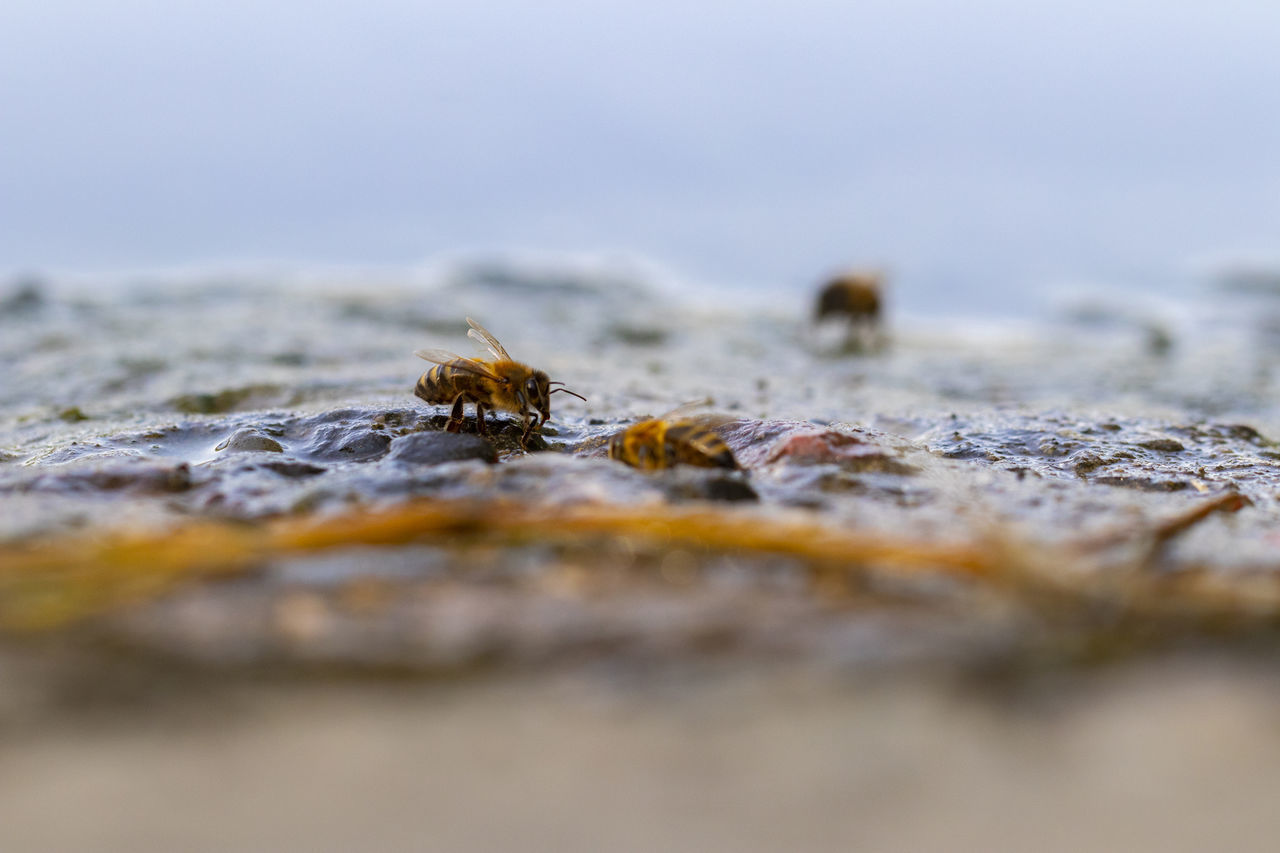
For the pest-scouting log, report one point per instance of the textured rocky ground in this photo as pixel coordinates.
(950, 580)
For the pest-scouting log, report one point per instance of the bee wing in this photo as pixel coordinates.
(684, 409)
(481, 334)
(458, 362)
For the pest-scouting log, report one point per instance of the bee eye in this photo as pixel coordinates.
(532, 387)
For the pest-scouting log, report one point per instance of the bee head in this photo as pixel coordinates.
(535, 394)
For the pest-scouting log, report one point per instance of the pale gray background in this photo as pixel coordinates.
(987, 150)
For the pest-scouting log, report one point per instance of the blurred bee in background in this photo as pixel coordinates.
(856, 298)
(502, 384)
(669, 440)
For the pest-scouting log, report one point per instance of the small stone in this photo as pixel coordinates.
(701, 484)
(250, 439)
(293, 470)
(1163, 445)
(433, 448)
(850, 452)
(24, 296)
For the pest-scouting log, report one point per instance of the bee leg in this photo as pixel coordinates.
(528, 428)
(480, 427)
(455, 417)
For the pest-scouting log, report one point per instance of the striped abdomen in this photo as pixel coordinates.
(693, 444)
(443, 383)
(657, 444)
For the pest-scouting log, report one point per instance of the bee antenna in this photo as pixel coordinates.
(567, 391)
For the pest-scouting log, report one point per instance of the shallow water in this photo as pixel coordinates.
(153, 404)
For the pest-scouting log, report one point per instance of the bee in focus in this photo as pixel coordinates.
(669, 440)
(502, 384)
(856, 298)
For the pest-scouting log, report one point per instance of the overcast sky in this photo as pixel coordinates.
(975, 147)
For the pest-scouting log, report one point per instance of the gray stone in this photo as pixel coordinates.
(433, 448)
(250, 439)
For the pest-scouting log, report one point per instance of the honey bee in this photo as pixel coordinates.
(502, 384)
(854, 296)
(669, 440)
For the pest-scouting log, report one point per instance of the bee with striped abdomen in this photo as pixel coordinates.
(670, 440)
(501, 384)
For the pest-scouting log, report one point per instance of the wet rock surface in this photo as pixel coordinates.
(262, 415)
(976, 585)
(1127, 453)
